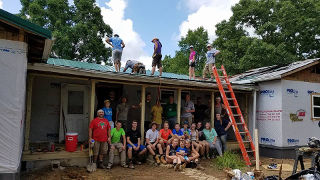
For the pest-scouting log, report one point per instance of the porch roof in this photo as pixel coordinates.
(97, 71)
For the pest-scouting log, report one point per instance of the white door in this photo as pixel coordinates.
(74, 110)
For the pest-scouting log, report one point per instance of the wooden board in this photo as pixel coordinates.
(306, 75)
(36, 156)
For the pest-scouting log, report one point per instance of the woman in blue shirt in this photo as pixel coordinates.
(211, 138)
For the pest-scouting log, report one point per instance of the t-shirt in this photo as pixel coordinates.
(171, 110)
(157, 114)
(187, 106)
(116, 42)
(186, 131)
(116, 135)
(123, 111)
(152, 135)
(210, 56)
(182, 150)
(220, 127)
(179, 133)
(100, 127)
(130, 64)
(107, 113)
(134, 135)
(192, 55)
(210, 135)
(165, 134)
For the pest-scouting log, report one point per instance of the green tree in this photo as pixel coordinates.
(78, 29)
(284, 31)
(180, 62)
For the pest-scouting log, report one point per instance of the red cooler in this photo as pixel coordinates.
(71, 142)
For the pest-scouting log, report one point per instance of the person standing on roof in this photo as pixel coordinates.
(156, 56)
(117, 45)
(211, 54)
(136, 66)
(192, 63)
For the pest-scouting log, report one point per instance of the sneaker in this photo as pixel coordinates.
(138, 162)
(157, 159)
(163, 161)
(182, 166)
(124, 166)
(101, 166)
(109, 166)
(176, 167)
(131, 166)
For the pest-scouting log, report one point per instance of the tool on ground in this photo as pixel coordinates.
(91, 167)
(239, 125)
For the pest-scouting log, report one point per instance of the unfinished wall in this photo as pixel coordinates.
(296, 116)
(269, 113)
(45, 115)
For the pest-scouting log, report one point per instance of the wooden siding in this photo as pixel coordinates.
(311, 74)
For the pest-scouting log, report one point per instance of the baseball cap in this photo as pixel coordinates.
(191, 46)
(209, 45)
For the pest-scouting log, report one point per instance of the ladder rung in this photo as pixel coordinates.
(243, 132)
(249, 151)
(230, 99)
(222, 77)
(233, 106)
(246, 141)
(219, 70)
(227, 91)
(239, 123)
(236, 115)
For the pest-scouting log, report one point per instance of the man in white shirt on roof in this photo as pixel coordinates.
(211, 54)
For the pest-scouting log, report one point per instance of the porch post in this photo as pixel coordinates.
(30, 79)
(92, 99)
(254, 111)
(179, 106)
(143, 110)
(212, 109)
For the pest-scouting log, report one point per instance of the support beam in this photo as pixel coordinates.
(30, 79)
(179, 106)
(212, 109)
(143, 110)
(92, 99)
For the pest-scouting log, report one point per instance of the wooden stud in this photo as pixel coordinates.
(92, 99)
(212, 109)
(257, 149)
(143, 110)
(179, 106)
(30, 79)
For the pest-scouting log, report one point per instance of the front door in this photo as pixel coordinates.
(74, 110)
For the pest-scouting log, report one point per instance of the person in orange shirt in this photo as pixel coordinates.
(164, 140)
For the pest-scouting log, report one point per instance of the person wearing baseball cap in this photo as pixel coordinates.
(192, 63)
(156, 56)
(210, 55)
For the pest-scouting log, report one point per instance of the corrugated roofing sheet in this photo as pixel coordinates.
(269, 72)
(11, 18)
(106, 68)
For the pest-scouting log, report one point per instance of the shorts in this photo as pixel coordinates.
(142, 147)
(207, 69)
(192, 64)
(116, 56)
(100, 148)
(157, 61)
(137, 67)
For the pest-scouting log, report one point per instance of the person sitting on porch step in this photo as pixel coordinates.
(186, 131)
(164, 140)
(134, 145)
(177, 132)
(108, 113)
(136, 67)
(211, 138)
(152, 141)
(171, 157)
(117, 134)
(99, 131)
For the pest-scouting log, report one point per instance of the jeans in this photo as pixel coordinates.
(172, 122)
(216, 146)
(122, 153)
(223, 140)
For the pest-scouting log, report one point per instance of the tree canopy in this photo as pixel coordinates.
(78, 29)
(180, 62)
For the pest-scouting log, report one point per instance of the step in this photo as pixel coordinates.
(219, 70)
(233, 106)
(229, 99)
(239, 123)
(236, 114)
(243, 132)
(246, 141)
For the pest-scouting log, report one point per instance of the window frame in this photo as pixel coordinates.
(313, 106)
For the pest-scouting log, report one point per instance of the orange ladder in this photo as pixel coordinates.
(243, 135)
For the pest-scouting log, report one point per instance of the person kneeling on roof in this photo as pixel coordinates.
(136, 66)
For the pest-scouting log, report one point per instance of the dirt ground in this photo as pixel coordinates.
(149, 171)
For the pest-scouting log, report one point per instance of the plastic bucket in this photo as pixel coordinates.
(71, 142)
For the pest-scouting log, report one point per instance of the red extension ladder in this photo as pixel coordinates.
(243, 135)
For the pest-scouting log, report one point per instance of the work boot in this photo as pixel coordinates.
(101, 166)
(157, 159)
(176, 167)
(163, 161)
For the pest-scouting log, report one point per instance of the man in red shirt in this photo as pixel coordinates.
(100, 132)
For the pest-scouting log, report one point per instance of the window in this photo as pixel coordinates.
(315, 106)
(75, 102)
(165, 95)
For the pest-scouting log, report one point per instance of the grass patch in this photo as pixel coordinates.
(229, 160)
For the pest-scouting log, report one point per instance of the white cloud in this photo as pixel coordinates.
(1, 3)
(206, 13)
(113, 14)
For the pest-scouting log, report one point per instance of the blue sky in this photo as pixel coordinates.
(138, 21)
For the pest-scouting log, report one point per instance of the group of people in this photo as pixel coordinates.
(166, 140)
(117, 45)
